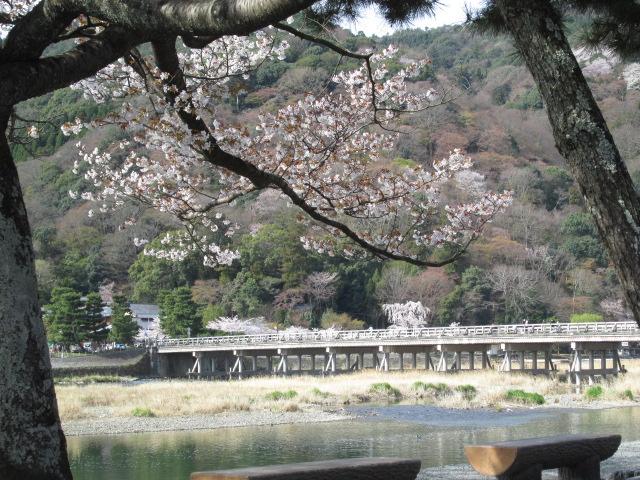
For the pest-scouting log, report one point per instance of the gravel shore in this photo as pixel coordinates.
(119, 425)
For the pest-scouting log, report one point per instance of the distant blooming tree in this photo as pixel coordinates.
(631, 75)
(406, 315)
(249, 326)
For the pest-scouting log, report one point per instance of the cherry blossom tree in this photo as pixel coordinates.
(406, 315)
(321, 153)
(247, 326)
(325, 154)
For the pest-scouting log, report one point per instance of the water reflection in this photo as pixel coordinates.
(431, 434)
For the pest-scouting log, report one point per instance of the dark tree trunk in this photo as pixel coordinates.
(32, 445)
(581, 135)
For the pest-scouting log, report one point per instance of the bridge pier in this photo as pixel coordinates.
(577, 374)
(330, 364)
(519, 352)
(456, 362)
(283, 363)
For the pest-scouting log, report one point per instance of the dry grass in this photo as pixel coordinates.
(183, 397)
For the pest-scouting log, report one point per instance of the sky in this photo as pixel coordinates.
(448, 13)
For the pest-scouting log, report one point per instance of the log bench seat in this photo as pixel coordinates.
(577, 457)
(345, 469)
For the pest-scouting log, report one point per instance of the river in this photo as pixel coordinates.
(434, 435)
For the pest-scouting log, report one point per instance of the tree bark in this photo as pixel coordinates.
(581, 135)
(32, 445)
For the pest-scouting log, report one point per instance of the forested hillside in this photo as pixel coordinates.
(540, 261)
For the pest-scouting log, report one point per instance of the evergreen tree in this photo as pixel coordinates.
(65, 317)
(179, 315)
(95, 322)
(123, 326)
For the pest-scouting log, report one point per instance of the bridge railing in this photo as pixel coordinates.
(322, 336)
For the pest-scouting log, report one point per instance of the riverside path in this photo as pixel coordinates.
(593, 350)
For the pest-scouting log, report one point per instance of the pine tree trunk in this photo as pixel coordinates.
(32, 445)
(581, 135)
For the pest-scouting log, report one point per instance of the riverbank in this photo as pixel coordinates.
(152, 405)
(123, 425)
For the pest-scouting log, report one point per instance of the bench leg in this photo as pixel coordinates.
(587, 470)
(534, 472)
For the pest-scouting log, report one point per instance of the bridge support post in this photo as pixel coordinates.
(163, 365)
(506, 362)
(382, 365)
(442, 363)
(414, 360)
(237, 366)
(472, 360)
(283, 365)
(534, 361)
(617, 364)
(330, 366)
(361, 361)
(591, 367)
(457, 361)
(548, 362)
(427, 361)
(196, 370)
(401, 362)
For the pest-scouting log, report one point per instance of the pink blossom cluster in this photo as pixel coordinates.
(328, 152)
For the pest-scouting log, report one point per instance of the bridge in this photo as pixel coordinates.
(593, 349)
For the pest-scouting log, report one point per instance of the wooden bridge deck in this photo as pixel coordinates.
(519, 346)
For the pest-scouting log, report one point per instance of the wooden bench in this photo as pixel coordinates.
(345, 469)
(577, 457)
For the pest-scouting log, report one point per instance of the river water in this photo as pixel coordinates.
(432, 434)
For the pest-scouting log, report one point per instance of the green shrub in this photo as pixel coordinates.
(437, 389)
(628, 395)
(528, 398)
(594, 393)
(142, 412)
(585, 318)
(342, 321)
(92, 378)
(384, 388)
(419, 385)
(319, 393)
(469, 392)
(278, 395)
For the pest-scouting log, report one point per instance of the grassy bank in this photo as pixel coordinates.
(463, 390)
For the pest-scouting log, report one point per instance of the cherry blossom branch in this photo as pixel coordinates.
(322, 41)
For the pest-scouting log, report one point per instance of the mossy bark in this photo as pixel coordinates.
(581, 135)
